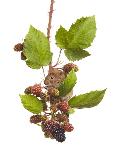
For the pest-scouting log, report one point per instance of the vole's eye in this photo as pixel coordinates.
(51, 77)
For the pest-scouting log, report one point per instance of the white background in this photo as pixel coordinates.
(95, 128)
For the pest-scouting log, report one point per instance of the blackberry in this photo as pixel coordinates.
(68, 127)
(54, 127)
(35, 119)
(18, 47)
(47, 125)
(23, 57)
(60, 137)
(68, 67)
(62, 117)
(36, 89)
(58, 133)
(63, 106)
(28, 90)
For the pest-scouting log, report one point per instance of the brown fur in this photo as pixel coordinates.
(54, 77)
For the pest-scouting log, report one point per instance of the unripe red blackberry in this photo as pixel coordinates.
(62, 117)
(68, 67)
(23, 57)
(28, 90)
(53, 91)
(47, 125)
(36, 89)
(35, 119)
(63, 106)
(18, 47)
(68, 127)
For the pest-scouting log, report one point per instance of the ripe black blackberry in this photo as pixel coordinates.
(60, 137)
(35, 119)
(58, 133)
(18, 47)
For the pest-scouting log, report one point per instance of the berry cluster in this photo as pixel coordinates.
(55, 130)
(54, 120)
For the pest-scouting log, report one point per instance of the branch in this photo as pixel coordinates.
(58, 58)
(50, 19)
(43, 71)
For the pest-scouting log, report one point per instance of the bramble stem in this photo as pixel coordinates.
(49, 27)
(50, 19)
(58, 58)
(50, 22)
(43, 72)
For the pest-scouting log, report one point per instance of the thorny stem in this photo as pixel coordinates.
(50, 22)
(50, 19)
(58, 58)
(43, 72)
(49, 28)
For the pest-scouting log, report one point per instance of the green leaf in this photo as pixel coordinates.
(82, 33)
(32, 103)
(37, 49)
(87, 100)
(74, 55)
(32, 64)
(68, 84)
(61, 38)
